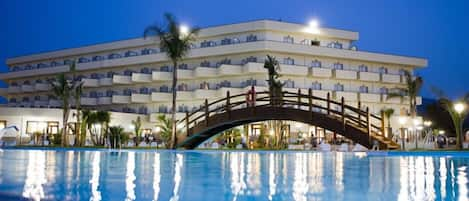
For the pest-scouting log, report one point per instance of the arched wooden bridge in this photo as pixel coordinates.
(351, 122)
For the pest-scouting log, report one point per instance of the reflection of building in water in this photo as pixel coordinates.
(237, 167)
(35, 176)
(94, 181)
(316, 171)
(156, 176)
(177, 176)
(417, 178)
(300, 184)
(253, 179)
(130, 177)
(273, 170)
(339, 171)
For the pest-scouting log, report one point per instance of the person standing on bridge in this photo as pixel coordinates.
(251, 97)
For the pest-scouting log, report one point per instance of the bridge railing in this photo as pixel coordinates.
(363, 119)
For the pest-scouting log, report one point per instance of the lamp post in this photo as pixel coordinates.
(402, 122)
(459, 107)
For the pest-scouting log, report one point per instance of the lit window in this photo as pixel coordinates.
(316, 64)
(363, 68)
(316, 86)
(363, 89)
(288, 39)
(339, 66)
(289, 61)
(338, 87)
(383, 70)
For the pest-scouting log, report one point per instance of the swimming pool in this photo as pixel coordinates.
(224, 175)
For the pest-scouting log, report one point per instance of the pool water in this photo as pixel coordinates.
(237, 175)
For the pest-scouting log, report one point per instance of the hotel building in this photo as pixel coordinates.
(133, 77)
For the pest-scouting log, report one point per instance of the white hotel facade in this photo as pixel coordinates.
(133, 77)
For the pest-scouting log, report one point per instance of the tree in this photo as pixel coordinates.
(457, 118)
(76, 93)
(63, 89)
(388, 112)
(165, 126)
(410, 92)
(116, 135)
(137, 129)
(275, 93)
(104, 118)
(175, 41)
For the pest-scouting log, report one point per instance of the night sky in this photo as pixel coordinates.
(434, 29)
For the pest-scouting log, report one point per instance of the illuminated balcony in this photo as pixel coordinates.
(321, 72)
(396, 100)
(226, 69)
(105, 82)
(88, 101)
(204, 93)
(14, 89)
(369, 97)
(27, 88)
(120, 99)
(55, 103)
(184, 95)
(345, 74)
(122, 79)
(42, 86)
(160, 96)
(140, 98)
(388, 78)
(254, 68)
(201, 72)
(368, 76)
(184, 74)
(292, 70)
(88, 82)
(141, 77)
(161, 76)
(104, 100)
(348, 96)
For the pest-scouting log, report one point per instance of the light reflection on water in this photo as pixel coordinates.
(236, 176)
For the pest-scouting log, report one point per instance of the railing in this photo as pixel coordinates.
(348, 115)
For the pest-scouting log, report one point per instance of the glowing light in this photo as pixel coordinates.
(157, 129)
(313, 27)
(130, 177)
(459, 107)
(184, 29)
(427, 123)
(402, 120)
(416, 121)
(94, 181)
(441, 132)
(271, 132)
(180, 126)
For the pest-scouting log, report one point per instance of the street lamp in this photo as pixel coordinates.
(184, 29)
(402, 122)
(313, 27)
(459, 107)
(427, 123)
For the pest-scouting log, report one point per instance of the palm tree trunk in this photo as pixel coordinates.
(65, 124)
(78, 126)
(173, 111)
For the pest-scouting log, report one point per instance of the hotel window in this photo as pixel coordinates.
(225, 61)
(204, 85)
(207, 44)
(338, 87)
(68, 62)
(225, 83)
(145, 71)
(25, 99)
(226, 41)
(402, 72)
(383, 70)
(251, 38)
(336, 45)
(205, 63)
(52, 127)
(37, 98)
(93, 94)
(12, 100)
(290, 83)
(41, 65)
(131, 53)
(163, 109)
(143, 110)
(183, 108)
(288, 39)
(110, 74)
(109, 93)
(27, 82)
(98, 58)
(250, 59)
(128, 72)
(165, 69)
(251, 82)
(339, 66)
(235, 40)
(147, 51)
(363, 68)
(363, 89)
(83, 60)
(3, 124)
(183, 66)
(183, 87)
(164, 88)
(114, 56)
(16, 68)
(127, 92)
(289, 61)
(383, 90)
(316, 86)
(55, 63)
(316, 64)
(14, 84)
(315, 43)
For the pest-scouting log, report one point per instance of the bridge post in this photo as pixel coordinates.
(299, 98)
(368, 124)
(328, 103)
(310, 101)
(359, 114)
(383, 128)
(342, 112)
(228, 106)
(187, 123)
(206, 112)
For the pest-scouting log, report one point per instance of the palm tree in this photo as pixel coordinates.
(104, 118)
(165, 126)
(457, 118)
(388, 112)
(116, 133)
(275, 93)
(176, 44)
(77, 92)
(410, 92)
(63, 89)
(137, 124)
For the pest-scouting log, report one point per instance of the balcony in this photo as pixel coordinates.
(55, 103)
(122, 79)
(293, 70)
(321, 72)
(105, 82)
(140, 98)
(161, 96)
(120, 99)
(348, 96)
(184, 95)
(88, 82)
(396, 100)
(27, 88)
(204, 93)
(141, 77)
(88, 101)
(368, 97)
(40, 103)
(205, 72)
(184, 74)
(233, 91)
(153, 117)
(256, 88)
(104, 100)
(321, 93)
(345, 74)
(388, 78)
(14, 89)
(254, 68)
(41, 87)
(161, 76)
(368, 76)
(226, 69)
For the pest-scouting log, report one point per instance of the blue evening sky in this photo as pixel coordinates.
(434, 29)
